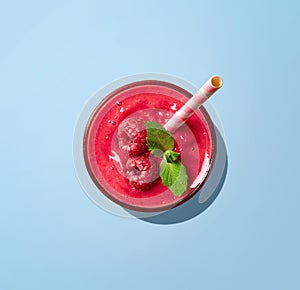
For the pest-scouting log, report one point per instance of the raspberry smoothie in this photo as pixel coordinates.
(116, 154)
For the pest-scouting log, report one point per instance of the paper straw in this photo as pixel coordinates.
(189, 108)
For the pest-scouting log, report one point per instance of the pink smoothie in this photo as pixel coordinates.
(151, 101)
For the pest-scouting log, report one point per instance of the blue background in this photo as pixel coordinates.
(55, 54)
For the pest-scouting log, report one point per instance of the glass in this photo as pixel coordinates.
(113, 97)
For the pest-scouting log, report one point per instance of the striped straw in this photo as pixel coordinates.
(189, 108)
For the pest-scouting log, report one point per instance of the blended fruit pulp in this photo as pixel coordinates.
(106, 159)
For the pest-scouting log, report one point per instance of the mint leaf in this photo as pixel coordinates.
(171, 156)
(158, 138)
(157, 152)
(174, 176)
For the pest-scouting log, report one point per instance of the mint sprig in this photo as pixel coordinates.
(172, 172)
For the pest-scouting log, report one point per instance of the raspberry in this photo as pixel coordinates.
(138, 145)
(141, 171)
(132, 136)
